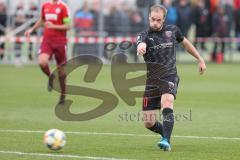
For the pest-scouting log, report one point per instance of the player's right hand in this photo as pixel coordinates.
(28, 32)
(202, 66)
(141, 48)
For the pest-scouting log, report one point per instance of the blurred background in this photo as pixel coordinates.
(212, 25)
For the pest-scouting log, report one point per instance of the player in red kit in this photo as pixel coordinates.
(56, 20)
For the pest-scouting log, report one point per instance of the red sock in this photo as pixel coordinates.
(62, 80)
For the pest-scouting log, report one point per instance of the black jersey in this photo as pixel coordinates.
(160, 55)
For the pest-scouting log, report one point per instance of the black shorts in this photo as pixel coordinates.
(155, 88)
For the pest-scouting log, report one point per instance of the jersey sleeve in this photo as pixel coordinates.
(66, 14)
(142, 37)
(179, 35)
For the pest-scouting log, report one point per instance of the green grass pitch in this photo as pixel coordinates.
(207, 129)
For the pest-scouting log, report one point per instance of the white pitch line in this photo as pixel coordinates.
(199, 137)
(58, 155)
(122, 134)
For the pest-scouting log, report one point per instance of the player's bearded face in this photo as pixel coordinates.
(156, 20)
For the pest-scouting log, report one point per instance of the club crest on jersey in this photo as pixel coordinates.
(168, 33)
(58, 10)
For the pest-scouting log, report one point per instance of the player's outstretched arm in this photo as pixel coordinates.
(35, 26)
(193, 51)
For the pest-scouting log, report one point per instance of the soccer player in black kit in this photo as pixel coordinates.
(158, 45)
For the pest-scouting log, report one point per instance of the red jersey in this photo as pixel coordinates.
(55, 13)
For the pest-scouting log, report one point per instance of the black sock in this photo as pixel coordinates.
(157, 128)
(168, 122)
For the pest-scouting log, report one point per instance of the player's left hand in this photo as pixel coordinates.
(202, 66)
(49, 24)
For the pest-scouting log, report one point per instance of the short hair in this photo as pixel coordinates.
(158, 7)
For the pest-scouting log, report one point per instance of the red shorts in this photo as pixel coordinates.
(59, 50)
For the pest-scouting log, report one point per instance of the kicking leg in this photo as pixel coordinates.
(43, 60)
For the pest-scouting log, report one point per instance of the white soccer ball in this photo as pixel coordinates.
(54, 139)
